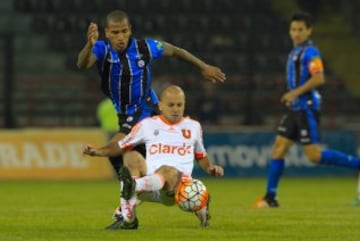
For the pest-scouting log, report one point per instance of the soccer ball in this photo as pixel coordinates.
(191, 195)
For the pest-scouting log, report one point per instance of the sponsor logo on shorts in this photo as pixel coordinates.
(282, 128)
(303, 133)
(125, 125)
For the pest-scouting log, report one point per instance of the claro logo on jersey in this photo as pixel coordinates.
(167, 149)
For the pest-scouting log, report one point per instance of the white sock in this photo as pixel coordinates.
(128, 208)
(150, 183)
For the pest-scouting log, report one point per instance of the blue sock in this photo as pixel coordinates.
(275, 170)
(330, 157)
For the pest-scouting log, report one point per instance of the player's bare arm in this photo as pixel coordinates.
(315, 81)
(208, 167)
(111, 149)
(85, 58)
(209, 72)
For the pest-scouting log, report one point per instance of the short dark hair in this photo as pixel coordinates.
(302, 17)
(116, 16)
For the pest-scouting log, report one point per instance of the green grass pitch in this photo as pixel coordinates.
(311, 209)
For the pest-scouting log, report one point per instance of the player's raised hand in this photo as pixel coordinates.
(213, 73)
(92, 33)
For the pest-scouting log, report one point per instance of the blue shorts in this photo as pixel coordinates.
(300, 126)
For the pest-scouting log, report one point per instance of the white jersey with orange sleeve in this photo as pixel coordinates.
(176, 145)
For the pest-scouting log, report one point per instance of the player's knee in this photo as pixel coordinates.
(280, 147)
(167, 171)
(313, 156)
(171, 177)
(313, 153)
(278, 151)
(133, 160)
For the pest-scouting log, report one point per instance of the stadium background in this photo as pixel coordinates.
(48, 107)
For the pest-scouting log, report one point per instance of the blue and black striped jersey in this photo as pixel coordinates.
(303, 61)
(126, 76)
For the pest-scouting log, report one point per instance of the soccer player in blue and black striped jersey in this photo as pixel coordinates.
(124, 65)
(305, 72)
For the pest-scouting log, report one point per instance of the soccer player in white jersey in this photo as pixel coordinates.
(172, 143)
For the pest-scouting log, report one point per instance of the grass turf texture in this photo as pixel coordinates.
(311, 209)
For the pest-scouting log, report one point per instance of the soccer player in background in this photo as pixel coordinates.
(172, 143)
(305, 72)
(124, 66)
(107, 116)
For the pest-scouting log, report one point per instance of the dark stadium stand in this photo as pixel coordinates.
(353, 10)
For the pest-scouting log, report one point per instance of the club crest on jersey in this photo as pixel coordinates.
(186, 133)
(156, 132)
(159, 45)
(140, 63)
(129, 119)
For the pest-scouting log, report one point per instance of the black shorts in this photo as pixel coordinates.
(127, 122)
(301, 126)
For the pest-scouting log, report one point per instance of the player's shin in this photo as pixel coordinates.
(331, 157)
(275, 170)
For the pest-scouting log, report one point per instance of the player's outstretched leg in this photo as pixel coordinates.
(204, 214)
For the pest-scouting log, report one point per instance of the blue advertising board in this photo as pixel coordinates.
(246, 154)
